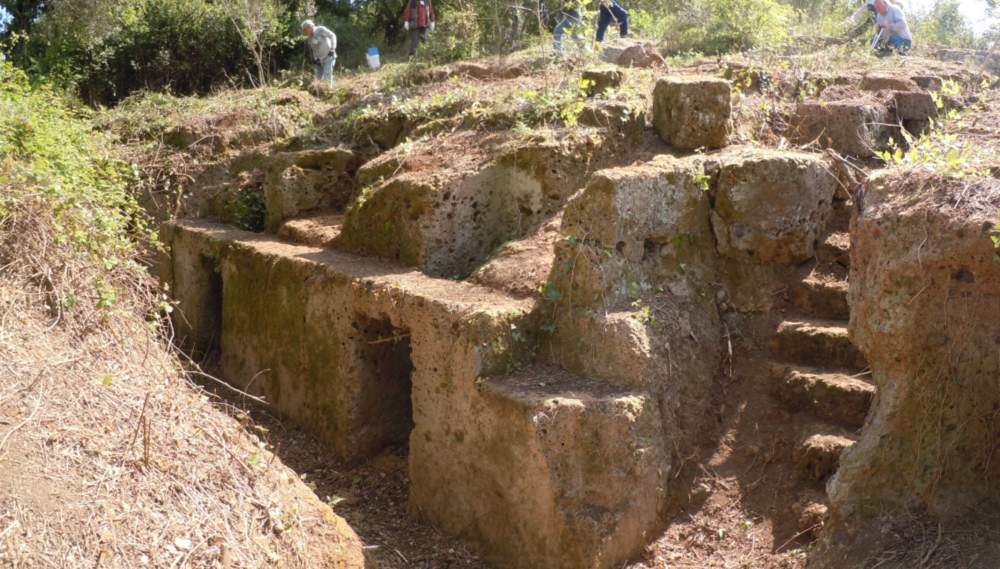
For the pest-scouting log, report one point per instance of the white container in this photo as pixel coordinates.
(373, 58)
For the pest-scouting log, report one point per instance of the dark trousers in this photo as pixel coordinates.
(608, 13)
(417, 35)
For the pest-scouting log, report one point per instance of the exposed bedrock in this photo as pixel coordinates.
(446, 219)
(853, 127)
(260, 191)
(541, 467)
(630, 289)
(693, 112)
(925, 297)
(770, 206)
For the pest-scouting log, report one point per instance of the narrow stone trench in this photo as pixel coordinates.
(372, 495)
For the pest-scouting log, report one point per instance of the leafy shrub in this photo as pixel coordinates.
(67, 221)
(944, 25)
(718, 26)
(458, 36)
(184, 46)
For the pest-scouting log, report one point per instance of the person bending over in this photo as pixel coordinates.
(892, 23)
(611, 10)
(418, 17)
(322, 48)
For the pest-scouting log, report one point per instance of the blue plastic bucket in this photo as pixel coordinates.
(373, 58)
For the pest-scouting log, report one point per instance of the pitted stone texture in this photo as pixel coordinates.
(925, 299)
(562, 472)
(191, 268)
(693, 112)
(305, 327)
(446, 216)
(541, 468)
(886, 83)
(631, 226)
(929, 82)
(640, 56)
(853, 128)
(770, 206)
(818, 455)
(600, 80)
(914, 105)
(621, 119)
(298, 182)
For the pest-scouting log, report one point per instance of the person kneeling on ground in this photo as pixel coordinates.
(569, 20)
(322, 48)
(892, 23)
(417, 18)
(611, 10)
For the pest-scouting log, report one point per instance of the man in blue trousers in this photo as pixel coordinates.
(569, 19)
(611, 10)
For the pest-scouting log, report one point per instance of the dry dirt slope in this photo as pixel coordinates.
(110, 458)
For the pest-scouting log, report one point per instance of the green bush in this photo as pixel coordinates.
(719, 26)
(67, 220)
(944, 25)
(182, 46)
(458, 35)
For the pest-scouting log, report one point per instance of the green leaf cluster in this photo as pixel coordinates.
(58, 178)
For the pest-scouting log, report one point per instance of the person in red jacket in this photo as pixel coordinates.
(417, 18)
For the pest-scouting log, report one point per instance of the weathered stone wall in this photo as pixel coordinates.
(925, 294)
(345, 345)
(447, 217)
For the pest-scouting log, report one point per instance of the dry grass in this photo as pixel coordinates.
(111, 458)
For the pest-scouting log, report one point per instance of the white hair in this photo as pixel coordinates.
(308, 24)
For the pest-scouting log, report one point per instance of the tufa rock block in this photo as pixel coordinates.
(557, 471)
(852, 128)
(693, 112)
(601, 80)
(640, 56)
(770, 206)
(298, 182)
(914, 105)
(886, 83)
(654, 213)
(925, 315)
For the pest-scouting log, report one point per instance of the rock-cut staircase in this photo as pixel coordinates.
(817, 372)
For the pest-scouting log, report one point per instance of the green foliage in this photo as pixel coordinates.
(718, 26)
(110, 49)
(458, 35)
(65, 209)
(939, 152)
(250, 209)
(944, 25)
(560, 101)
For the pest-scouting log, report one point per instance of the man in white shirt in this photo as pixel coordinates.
(892, 23)
(322, 48)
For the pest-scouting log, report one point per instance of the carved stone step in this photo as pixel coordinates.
(818, 456)
(817, 342)
(831, 396)
(822, 297)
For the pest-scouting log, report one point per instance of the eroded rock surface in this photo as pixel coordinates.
(925, 291)
(770, 206)
(693, 112)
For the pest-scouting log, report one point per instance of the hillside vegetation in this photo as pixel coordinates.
(105, 50)
(110, 456)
